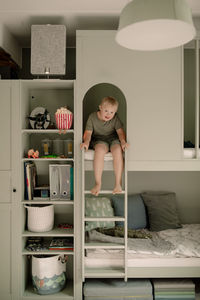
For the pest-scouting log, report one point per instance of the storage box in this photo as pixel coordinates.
(112, 289)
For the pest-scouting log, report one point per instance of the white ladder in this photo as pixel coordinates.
(104, 272)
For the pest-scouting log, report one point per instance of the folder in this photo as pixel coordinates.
(64, 172)
(54, 182)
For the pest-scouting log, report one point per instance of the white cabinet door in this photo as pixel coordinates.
(5, 125)
(5, 253)
(5, 186)
(5, 189)
(151, 84)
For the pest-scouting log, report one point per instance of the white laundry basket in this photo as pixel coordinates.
(48, 273)
(40, 217)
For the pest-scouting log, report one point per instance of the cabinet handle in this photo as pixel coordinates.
(14, 190)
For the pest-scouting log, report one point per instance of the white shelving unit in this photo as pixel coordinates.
(51, 94)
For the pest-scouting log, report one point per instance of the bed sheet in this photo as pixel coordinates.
(182, 242)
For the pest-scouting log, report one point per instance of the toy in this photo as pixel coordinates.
(39, 118)
(33, 154)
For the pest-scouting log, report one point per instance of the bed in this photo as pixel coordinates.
(170, 252)
(188, 153)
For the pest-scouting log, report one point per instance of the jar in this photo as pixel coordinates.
(46, 147)
(68, 148)
(58, 147)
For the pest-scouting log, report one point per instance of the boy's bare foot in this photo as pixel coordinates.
(117, 189)
(96, 189)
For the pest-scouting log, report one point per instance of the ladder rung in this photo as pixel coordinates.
(104, 219)
(105, 192)
(103, 246)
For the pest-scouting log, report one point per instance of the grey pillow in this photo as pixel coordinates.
(162, 210)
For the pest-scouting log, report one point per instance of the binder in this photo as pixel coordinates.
(54, 182)
(61, 182)
(64, 171)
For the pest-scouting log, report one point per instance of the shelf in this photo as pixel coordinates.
(48, 83)
(104, 272)
(39, 131)
(55, 232)
(47, 252)
(66, 293)
(103, 246)
(67, 202)
(47, 159)
(104, 219)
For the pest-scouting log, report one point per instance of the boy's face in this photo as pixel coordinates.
(107, 111)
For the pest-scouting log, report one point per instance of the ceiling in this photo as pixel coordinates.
(18, 15)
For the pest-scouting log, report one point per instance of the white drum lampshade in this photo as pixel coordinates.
(48, 49)
(155, 24)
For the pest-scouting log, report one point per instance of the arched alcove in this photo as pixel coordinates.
(94, 96)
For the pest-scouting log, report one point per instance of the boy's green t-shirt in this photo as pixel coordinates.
(103, 130)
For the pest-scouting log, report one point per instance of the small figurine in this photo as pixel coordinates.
(39, 118)
(33, 154)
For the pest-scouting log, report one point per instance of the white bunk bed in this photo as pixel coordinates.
(107, 257)
(171, 253)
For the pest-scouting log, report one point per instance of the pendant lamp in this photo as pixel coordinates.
(155, 24)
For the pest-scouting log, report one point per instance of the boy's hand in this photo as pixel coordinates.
(84, 146)
(124, 145)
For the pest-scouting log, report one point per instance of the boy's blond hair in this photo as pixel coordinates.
(109, 100)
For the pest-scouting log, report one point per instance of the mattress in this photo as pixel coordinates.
(138, 262)
(171, 247)
(189, 152)
(89, 155)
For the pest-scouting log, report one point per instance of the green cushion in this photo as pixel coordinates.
(98, 207)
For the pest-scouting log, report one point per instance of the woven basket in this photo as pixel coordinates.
(48, 273)
(40, 218)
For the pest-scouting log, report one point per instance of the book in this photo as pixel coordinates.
(61, 244)
(30, 174)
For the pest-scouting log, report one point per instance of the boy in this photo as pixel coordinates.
(104, 131)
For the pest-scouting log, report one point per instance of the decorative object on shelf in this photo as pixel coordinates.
(36, 244)
(41, 192)
(48, 49)
(65, 226)
(46, 147)
(155, 24)
(64, 119)
(68, 148)
(39, 118)
(58, 147)
(61, 244)
(40, 217)
(48, 273)
(33, 154)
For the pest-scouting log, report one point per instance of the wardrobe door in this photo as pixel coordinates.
(5, 125)
(5, 251)
(5, 189)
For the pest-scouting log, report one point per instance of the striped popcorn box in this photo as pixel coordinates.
(64, 120)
